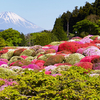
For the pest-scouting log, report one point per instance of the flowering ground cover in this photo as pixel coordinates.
(62, 70)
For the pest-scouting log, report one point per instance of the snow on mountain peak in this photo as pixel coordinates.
(9, 16)
(12, 20)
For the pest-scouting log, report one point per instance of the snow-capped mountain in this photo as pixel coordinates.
(12, 20)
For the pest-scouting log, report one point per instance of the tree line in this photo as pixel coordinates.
(79, 22)
(71, 22)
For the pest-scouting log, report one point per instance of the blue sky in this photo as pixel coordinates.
(41, 12)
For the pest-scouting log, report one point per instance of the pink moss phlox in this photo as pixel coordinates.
(88, 58)
(9, 82)
(33, 61)
(40, 63)
(86, 40)
(96, 66)
(2, 62)
(31, 66)
(87, 65)
(92, 50)
(62, 64)
(79, 42)
(24, 57)
(12, 64)
(5, 60)
(51, 67)
(56, 75)
(48, 72)
(54, 47)
(80, 50)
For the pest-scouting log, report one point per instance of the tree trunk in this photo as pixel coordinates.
(67, 28)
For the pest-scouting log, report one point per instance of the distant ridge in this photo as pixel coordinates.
(12, 20)
(1, 30)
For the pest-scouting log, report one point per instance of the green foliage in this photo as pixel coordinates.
(11, 37)
(54, 60)
(14, 58)
(74, 58)
(58, 30)
(21, 63)
(73, 84)
(29, 58)
(86, 27)
(7, 55)
(23, 42)
(2, 43)
(43, 38)
(2, 82)
(27, 52)
(4, 72)
(88, 11)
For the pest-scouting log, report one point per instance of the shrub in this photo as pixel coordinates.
(94, 37)
(88, 58)
(96, 59)
(26, 53)
(73, 84)
(91, 50)
(80, 50)
(18, 51)
(7, 55)
(29, 58)
(45, 56)
(60, 68)
(69, 46)
(87, 65)
(14, 58)
(74, 58)
(50, 51)
(54, 47)
(54, 59)
(36, 47)
(4, 72)
(96, 66)
(3, 51)
(31, 66)
(21, 63)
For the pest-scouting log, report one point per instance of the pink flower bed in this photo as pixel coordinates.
(7, 83)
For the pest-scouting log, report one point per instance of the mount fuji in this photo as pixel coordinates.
(12, 20)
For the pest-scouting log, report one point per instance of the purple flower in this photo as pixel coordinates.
(56, 75)
(92, 50)
(54, 47)
(51, 67)
(96, 66)
(86, 40)
(32, 66)
(2, 62)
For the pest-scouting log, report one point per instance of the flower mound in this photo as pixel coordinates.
(89, 58)
(87, 65)
(69, 46)
(74, 58)
(96, 66)
(92, 50)
(54, 59)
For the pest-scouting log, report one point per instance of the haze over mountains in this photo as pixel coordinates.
(12, 20)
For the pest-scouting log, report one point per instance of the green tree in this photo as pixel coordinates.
(58, 30)
(11, 37)
(2, 42)
(86, 27)
(23, 42)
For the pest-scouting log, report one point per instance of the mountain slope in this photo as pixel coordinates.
(12, 20)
